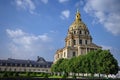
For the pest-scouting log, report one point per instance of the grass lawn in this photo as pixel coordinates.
(55, 77)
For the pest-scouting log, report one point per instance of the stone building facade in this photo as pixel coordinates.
(78, 40)
(18, 65)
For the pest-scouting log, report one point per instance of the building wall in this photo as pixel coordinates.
(24, 69)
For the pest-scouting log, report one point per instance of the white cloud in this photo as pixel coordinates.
(65, 14)
(62, 1)
(26, 5)
(45, 1)
(107, 13)
(79, 3)
(24, 45)
(15, 33)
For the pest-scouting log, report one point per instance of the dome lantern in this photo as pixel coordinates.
(78, 16)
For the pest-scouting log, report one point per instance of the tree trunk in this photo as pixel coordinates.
(83, 74)
(107, 76)
(99, 75)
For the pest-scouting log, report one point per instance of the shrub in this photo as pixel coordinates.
(15, 74)
(5, 74)
(27, 74)
(45, 75)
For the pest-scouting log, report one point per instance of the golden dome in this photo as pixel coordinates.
(78, 24)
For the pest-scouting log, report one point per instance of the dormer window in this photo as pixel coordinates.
(0, 64)
(6, 64)
(40, 59)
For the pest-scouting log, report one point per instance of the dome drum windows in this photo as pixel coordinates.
(74, 32)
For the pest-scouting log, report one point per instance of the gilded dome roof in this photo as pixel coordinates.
(78, 24)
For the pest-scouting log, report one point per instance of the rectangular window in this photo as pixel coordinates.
(74, 54)
(85, 41)
(0, 64)
(80, 32)
(74, 42)
(80, 41)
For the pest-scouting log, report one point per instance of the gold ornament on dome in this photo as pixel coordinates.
(78, 24)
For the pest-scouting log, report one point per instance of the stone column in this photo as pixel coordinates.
(86, 50)
(79, 50)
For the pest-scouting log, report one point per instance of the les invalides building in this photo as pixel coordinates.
(77, 42)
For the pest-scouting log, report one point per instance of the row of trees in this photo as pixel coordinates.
(100, 61)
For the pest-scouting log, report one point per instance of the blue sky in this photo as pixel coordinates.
(31, 28)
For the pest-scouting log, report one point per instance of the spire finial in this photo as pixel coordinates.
(78, 15)
(77, 10)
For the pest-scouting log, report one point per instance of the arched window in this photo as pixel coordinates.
(74, 32)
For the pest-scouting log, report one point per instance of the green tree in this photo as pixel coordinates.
(56, 67)
(99, 61)
(108, 64)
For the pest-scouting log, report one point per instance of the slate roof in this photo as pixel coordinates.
(40, 61)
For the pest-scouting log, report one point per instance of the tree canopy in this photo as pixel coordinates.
(99, 61)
